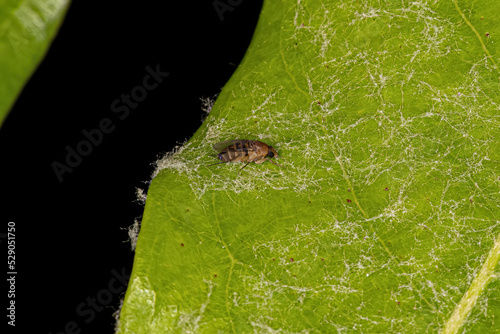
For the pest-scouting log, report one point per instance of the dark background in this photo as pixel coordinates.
(70, 235)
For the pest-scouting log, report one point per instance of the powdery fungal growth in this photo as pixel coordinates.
(133, 233)
(207, 104)
(141, 196)
(395, 102)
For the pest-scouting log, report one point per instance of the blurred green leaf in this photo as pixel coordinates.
(385, 215)
(26, 30)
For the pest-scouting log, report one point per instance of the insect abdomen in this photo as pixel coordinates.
(236, 152)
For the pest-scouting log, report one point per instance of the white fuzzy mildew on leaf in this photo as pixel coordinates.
(141, 196)
(386, 121)
(133, 233)
(207, 104)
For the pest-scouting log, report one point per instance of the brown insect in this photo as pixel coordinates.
(244, 150)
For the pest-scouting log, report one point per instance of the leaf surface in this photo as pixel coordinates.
(27, 27)
(385, 215)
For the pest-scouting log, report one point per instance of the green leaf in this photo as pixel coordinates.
(385, 215)
(26, 30)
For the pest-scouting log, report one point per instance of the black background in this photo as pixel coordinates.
(69, 234)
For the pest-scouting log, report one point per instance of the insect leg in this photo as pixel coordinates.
(243, 167)
(273, 162)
